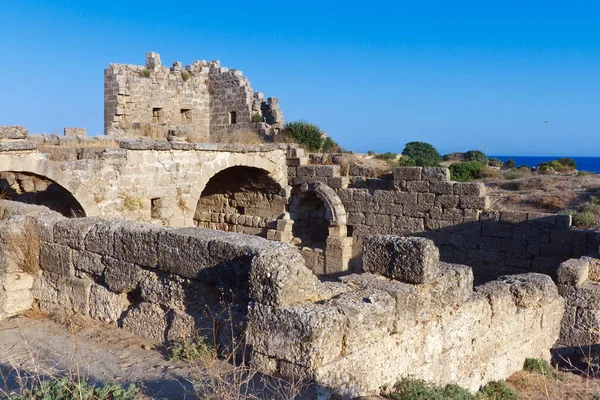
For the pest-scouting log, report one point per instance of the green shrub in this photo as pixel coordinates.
(146, 72)
(494, 162)
(466, 171)
(584, 173)
(567, 162)
(510, 164)
(590, 207)
(562, 165)
(190, 349)
(257, 118)
(476, 155)
(513, 175)
(331, 146)
(406, 162)
(424, 154)
(580, 219)
(75, 389)
(305, 134)
(386, 156)
(370, 152)
(539, 366)
(497, 390)
(416, 389)
(185, 75)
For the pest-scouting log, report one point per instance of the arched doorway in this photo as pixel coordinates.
(35, 189)
(241, 199)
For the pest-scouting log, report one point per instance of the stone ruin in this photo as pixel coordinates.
(324, 283)
(201, 101)
(409, 315)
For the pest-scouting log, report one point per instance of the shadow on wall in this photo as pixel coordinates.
(33, 189)
(504, 242)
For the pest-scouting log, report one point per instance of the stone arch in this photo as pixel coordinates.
(242, 197)
(38, 165)
(332, 255)
(227, 160)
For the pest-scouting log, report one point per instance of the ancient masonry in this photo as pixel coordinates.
(408, 315)
(199, 101)
(314, 259)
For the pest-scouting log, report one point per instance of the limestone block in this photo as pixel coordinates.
(417, 186)
(101, 237)
(531, 290)
(513, 217)
(573, 272)
(74, 132)
(146, 320)
(57, 259)
(474, 202)
(407, 173)
(435, 174)
(17, 145)
(408, 259)
(106, 305)
(370, 316)
(136, 243)
(469, 188)
(181, 325)
(280, 278)
(88, 262)
(447, 201)
(120, 276)
(13, 132)
(72, 232)
(309, 335)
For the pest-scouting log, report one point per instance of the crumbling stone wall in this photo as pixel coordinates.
(455, 215)
(411, 315)
(201, 101)
(578, 283)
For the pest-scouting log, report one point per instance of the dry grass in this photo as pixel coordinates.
(131, 202)
(181, 201)
(553, 202)
(534, 386)
(151, 131)
(24, 247)
(373, 167)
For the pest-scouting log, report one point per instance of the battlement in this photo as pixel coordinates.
(197, 101)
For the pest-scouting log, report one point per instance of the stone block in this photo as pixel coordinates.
(17, 145)
(447, 201)
(146, 320)
(88, 262)
(309, 335)
(280, 278)
(74, 132)
(513, 217)
(407, 173)
(56, 259)
(417, 186)
(435, 174)
(474, 202)
(105, 305)
(136, 243)
(573, 272)
(71, 232)
(13, 132)
(469, 188)
(441, 187)
(120, 276)
(531, 290)
(408, 259)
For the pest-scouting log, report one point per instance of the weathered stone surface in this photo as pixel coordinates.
(17, 145)
(72, 232)
(573, 272)
(407, 173)
(413, 260)
(13, 132)
(121, 276)
(106, 305)
(136, 243)
(280, 278)
(57, 259)
(435, 174)
(146, 320)
(530, 290)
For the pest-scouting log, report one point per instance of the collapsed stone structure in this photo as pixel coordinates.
(411, 315)
(199, 101)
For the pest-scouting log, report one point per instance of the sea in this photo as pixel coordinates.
(589, 164)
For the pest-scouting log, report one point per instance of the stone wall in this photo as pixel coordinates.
(350, 337)
(200, 101)
(578, 283)
(455, 215)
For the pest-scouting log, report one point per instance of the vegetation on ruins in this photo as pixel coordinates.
(476, 155)
(561, 165)
(416, 389)
(185, 75)
(466, 171)
(305, 134)
(257, 118)
(71, 388)
(423, 154)
(190, 349)
(495, 162)
(146, 72)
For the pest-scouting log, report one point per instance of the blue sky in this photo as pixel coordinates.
(373, 75)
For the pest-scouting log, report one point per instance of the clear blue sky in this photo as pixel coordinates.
(373, 75)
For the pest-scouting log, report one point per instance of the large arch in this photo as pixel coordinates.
(241, 199)
(227, 160)
(38, 164)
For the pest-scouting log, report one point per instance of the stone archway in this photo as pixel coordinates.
(317, 224)
(38, 165)
(241, 199)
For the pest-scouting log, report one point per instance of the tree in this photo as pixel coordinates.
(476, 155)
(305, 134)
(423, 154)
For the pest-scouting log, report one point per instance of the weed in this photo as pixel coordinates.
(185, 75)
(74, 389)
(24, 246)
(552, 202)
(130, 202)
(539, 366)
(497, 390)
(191, 349)
(416, 389)
(257, 118)
(146, 73)
(181, 201)
(589, 207)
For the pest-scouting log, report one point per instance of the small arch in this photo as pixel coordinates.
(34, 189)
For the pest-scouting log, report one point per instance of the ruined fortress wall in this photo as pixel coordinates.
(351, 337)
(455, 215)
(202, 101)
